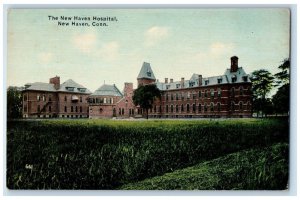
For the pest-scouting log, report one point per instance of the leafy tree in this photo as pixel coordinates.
(14, 103)
(281, 99)
(262, 83)
(145, 95)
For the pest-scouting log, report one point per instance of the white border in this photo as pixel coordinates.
(186, 4)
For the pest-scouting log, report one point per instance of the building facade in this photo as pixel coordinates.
(227, 95)
(51, 100)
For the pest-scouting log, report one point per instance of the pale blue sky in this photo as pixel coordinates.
(176, 42)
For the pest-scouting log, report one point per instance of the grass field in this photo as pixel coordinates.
(109, 154)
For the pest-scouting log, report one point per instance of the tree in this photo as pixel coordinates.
(262, 83)
(145, 95)
(281, 99)
(14, 103)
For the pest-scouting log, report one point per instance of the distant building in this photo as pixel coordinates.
(227, 95)
(48, 100)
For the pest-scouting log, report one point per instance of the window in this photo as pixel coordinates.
(187, 107)
(212, 93)
(71, 89)
(191, 84)
(80, 99)
(233, 79)
(219, 80)
(177, 86)
(167, 87)
(219, 92)
(241, 90)
(38, 108)
(50, 98)
(155, 108)
(81, 89)
(167, 108)
(199, 108)
(111, 100)
(194, 95)
(200, 94)
(245, 78)
(104, 100)
(65, 108)
(182, 108)
(71, 108)
(76, 110)
(149, 74)
(44, 97)
(167, 97)
(241, 105)
(205, 107)
(123, 111)
(232, 106)
(188, 95)
(232, 92)
(160, 109)
(182, 96)
(206, 82)
(65, 98)
(49, 108)
(194, 107)
(25, 97)
(218, 107)
(120, 112)
(177, 96)
(101, 110)
(172, 109)
(25, 108)
(38, 97)
(211, 107)
(205, 93)
(80, 109)
(177, 108)
(172, 98)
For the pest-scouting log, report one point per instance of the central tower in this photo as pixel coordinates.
(146, 75)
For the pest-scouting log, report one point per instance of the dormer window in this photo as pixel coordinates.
(149, 74)
(191, 84)
(167, 87)
(233, 79)
(81, 89)
(206, 82)
(245, 78)
(177, 86)
(71, 89)
(219, 80)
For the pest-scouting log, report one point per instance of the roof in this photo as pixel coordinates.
(40, 86)
(72, 86)
(146, 72)
(208, 81)
(107, 90)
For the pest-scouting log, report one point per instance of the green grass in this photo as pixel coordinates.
(255, 169)
(105, 154)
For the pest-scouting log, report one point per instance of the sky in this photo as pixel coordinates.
(176, 43)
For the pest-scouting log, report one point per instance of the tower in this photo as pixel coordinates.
(146, 75)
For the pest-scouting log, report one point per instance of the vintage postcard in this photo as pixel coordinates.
(148, 99)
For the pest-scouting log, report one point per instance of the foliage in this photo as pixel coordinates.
(105, 154)
(262, 83)
(145, 95)
(254, 169)
(284, 75)
(281, 99)
(14, 103)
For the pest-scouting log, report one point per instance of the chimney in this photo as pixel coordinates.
(182, 82)
(234, 64)
(56, 81)
(171, 80)
(166, 80)
(128, 89)
(200, 79)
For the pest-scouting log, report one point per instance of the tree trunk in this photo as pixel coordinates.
(146, 113)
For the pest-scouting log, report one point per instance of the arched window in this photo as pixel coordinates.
(177, 109)
(167, 108)
(241, 105)
(80, 109)
(212, 93)
(123, 111)
(241, 90)
(232, 106)
(65, 108)
(232, 92)
(219, 92)
(194, 107)
(65, 98)
(71, 108)
(205, 107)
(182, 108)
(187, 107)
(205, 93)
(199, 108)
(199, 94)
(211, 107)
(172, 109)
(218, 107)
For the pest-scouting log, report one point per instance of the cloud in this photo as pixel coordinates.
(84, 42)
(109, 51)
(221, 48)
(45, 57)
(155, 34)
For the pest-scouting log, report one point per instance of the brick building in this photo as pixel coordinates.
(227, 95)
(48, 100)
